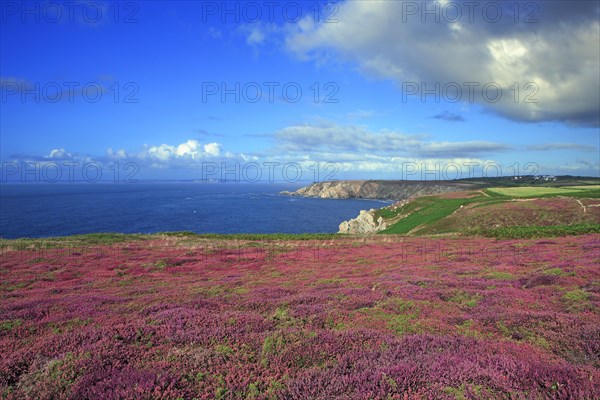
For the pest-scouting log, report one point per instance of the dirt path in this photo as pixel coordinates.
(582, 206)
(535, 198)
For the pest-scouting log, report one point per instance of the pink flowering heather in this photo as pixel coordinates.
(368, 318)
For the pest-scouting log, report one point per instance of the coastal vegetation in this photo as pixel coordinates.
(183, 316)
(501, 210)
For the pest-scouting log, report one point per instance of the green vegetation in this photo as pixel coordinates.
(554, 272)
(10, 324)
(272, 345)
(576, 296)
(577, 300)
(503, 276)
(529, 180)
(428, 209)
(386, 213)
(399, 315)
(500, 212)
(532, 191)
(596, 187)
(526, 232)
(101, 239)
(74, 241)
(465, 299)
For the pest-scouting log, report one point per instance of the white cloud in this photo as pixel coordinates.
(189, 150)
(120, 154)
(560, 54)
(256, 36)
(212, 149)
(59, 153)
(163, 152)
(259, 34)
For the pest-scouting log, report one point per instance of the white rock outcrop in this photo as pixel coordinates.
(364, 223)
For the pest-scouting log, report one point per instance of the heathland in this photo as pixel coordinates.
(315, 316)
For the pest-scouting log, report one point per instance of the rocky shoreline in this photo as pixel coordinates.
(368, 221)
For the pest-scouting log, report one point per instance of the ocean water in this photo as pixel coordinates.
(43, 210)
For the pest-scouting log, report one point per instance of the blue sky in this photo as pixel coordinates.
(141, 82)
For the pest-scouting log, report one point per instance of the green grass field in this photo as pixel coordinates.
(586, 187)
(430, 209)
(531, 191)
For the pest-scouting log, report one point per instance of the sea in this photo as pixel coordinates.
(45, 210)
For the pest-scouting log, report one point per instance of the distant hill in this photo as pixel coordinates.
(405, 189)
(383, 190)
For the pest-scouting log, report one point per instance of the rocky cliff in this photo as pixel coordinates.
(370, 221)
(383, 190)
(364, 223)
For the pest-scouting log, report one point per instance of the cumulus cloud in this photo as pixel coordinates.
(120, 154)
(348, 151)
(191, 149)
(212, 149)
(59, 154)
(554, 61)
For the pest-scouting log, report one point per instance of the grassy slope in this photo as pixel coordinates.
(428, 210)
(539, 191)
(493, 208)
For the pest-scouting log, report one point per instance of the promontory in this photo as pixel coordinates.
(379, 189)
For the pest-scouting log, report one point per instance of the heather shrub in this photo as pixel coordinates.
(539, 280)
(415, 318)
